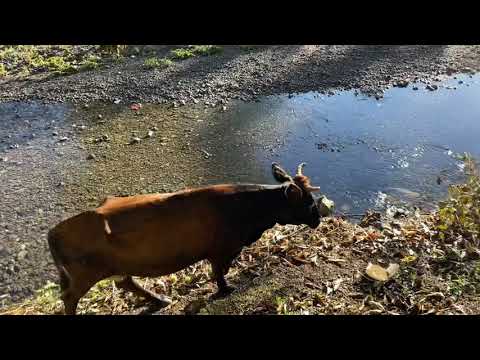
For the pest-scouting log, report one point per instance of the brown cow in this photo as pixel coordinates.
(159, 234)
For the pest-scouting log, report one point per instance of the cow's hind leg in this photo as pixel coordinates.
(76, 283)
(74, 293)
(129, 284)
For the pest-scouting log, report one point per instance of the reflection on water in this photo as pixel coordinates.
(356, 147)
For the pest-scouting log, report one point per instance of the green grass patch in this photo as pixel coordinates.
(58, 65)
(205, 50)
(90, 63)
(3, 71)
(182, 54)
(154, 63)
(196, 50)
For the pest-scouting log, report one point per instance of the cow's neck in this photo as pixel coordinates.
(265, 207)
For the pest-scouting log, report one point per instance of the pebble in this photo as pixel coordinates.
(135, 140)
(401, 83)
(91, 157)
(63, 139)
(149, 134)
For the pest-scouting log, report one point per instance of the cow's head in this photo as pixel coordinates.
(301, 209)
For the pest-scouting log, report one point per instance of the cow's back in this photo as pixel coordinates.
(168, 231)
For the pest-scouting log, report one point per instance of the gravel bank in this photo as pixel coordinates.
(240, 73)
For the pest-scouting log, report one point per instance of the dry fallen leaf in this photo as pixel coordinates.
(392, 269)
(378, 273)
(337, 283)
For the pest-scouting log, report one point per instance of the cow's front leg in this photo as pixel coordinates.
(219, 270)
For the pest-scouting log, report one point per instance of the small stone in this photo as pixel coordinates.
(135, 140)
(224, 108)
(55, 133)
(116, 101)
(100, 116)
(195, 101)
(63, 139)
(460, 82)
(415, 88)
(149, 134)
(91, 157)
(22, 254)
(154, 128)
(401, 83)
(182, 102)
(431, 87)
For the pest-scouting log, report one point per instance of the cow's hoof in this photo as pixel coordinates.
(223, 292)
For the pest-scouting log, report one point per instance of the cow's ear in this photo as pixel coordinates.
(279, 174)
(293, 193)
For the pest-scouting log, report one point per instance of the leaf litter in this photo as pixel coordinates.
(400, 267)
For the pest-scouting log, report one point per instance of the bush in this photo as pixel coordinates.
(459, 215)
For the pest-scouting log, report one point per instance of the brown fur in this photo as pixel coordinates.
(159, 234)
